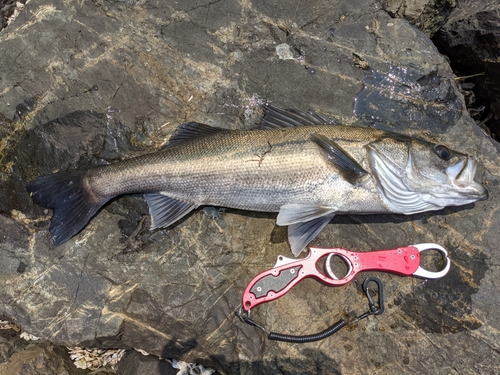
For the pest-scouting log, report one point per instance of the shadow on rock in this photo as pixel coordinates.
(308, 361)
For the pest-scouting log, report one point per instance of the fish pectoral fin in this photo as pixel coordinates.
(275, 117)
(347, 166)
(297, 213)
(165, 210)
(191, 130)
(300, 234)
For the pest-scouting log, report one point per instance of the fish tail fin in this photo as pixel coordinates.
(65, 194)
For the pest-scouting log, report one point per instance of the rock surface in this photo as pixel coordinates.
(89, 83)
(427, 15)
(134, 363)
(35, 359)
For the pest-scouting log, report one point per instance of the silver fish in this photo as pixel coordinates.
(293, 164)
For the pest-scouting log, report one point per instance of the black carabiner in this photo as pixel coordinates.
(374, 309)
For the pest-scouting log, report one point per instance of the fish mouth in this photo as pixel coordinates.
(462, 176)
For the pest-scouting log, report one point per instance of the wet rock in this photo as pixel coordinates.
(93, 82)
(384, 99)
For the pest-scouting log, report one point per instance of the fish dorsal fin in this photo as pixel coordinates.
(304, 223)
(348, 167)
(165, 211)
(191, 130)
(280, 118)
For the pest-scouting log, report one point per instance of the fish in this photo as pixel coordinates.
(294, 163)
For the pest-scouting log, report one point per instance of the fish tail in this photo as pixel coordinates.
(66, 195)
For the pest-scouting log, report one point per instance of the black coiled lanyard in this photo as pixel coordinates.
(374, 309)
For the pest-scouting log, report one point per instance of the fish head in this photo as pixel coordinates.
(415, 175)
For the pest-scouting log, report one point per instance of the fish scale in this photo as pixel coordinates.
(225, 162)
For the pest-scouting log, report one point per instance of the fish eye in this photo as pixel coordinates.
(442, 152)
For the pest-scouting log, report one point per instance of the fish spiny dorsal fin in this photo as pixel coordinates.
(279, 118)
(347, 166)
(191, 130)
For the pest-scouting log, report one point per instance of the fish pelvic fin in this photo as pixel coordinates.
(165, 210)
(66, 195)
(347, 166)
(304, 223)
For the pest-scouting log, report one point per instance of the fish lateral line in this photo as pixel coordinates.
(261, 156)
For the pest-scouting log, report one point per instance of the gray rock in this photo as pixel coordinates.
(427, 15)
(93, 82)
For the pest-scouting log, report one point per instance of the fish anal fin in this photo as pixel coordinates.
(165, 210)
(347, 166)
(191, 130)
